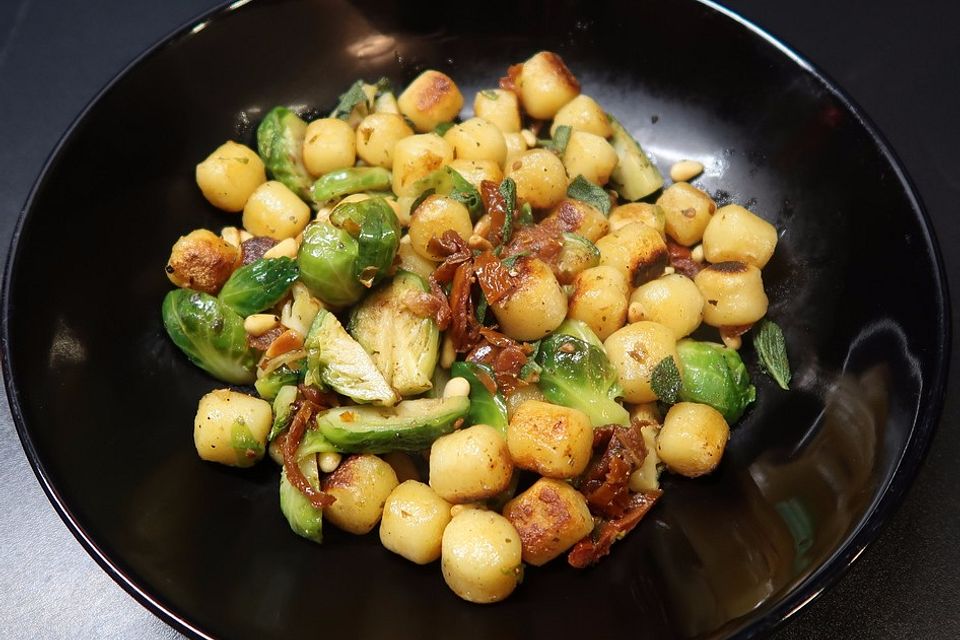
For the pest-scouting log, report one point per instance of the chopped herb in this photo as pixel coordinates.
(350, 99)
(420, 198)
(585, 191)
(490, 94)
(508, 190)
(482, 306)
(442, 128)
(558, 144)
(772, 350)
(511, 261)
(665, 381)
(530, 372)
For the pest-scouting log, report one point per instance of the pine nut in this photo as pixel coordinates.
(259, 323)
(284, 249)
(685, 170)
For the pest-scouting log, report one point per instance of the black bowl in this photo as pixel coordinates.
(103, 402)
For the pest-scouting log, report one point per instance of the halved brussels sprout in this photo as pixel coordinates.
(280, 145)
(210, 334)
(402, 344)
(334, 358)
(486, 407)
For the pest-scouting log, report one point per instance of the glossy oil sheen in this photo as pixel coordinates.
(104, 402)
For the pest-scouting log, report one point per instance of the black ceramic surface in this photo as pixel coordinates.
(105, 404)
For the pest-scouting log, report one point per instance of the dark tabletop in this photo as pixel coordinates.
(900, 61)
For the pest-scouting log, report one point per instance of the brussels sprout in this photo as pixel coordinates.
(313, 443)
(377, 231)
(258, 285)
(578, 329)
(280, 145)
(304, 518)
(269, 385)
(342, 182)
(210, 334)
(634, 176)
(354, 250)
(446, 181)
(328, 257)
(715, 375)
(282, 410)
(485, 407)
(403, 345)
(334, 358)
(577, 254)
(412, 425)
(577, 374)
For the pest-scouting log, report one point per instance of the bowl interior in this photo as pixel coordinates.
(105, 402)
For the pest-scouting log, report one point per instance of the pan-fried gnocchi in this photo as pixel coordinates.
(486, 335)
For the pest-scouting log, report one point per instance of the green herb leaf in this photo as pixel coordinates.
(508, 190)
(348, 100)
(442, 128)
(665, 381)
(557, 144)
(482, 307)
(490, 94)
(772, 349)
(530, 372)
(585, 191)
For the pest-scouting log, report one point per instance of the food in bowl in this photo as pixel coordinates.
(474, 334)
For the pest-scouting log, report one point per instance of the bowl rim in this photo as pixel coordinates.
(890, 494)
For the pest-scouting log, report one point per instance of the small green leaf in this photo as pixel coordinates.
(442, 128)
(490, 94)
(772, 350)
(585, 191)
(508, 190)
(348, 100)
(665, 381)
(561, 138)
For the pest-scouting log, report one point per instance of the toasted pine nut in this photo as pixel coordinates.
(731, 341)
(284, 249)
(259, 323)
(231, 235)
(479, 242)
(245, 235)
(529, 137)
(685, 170)
(697, 253)
(329, 461)
(456, 387)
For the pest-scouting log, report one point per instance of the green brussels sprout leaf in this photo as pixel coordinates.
(210, 334)
(305, 519)
(269, 385)
(282, 410)
(578, 374)
(486, 406)
(259, 285)
(343, 182)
